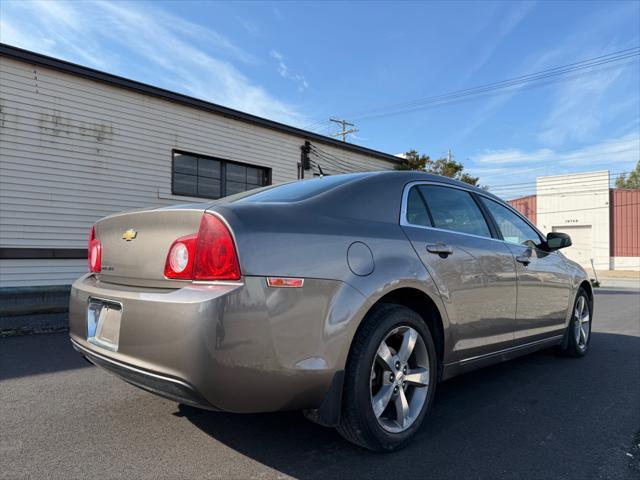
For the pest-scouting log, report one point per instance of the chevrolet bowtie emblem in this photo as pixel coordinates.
(129, 235)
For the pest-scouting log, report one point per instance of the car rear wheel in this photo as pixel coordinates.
(390, 379)
(579, 329)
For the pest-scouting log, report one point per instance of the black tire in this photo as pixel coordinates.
(571, 346)
(358, 423)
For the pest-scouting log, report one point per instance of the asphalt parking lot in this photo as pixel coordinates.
(540, 416)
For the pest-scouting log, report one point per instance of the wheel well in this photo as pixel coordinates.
(422, 304)
(587, 288)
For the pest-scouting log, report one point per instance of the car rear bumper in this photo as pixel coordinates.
(167, 387)
(234, 346)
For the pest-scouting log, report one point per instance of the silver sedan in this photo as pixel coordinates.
(348, 297)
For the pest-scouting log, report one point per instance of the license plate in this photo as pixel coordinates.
(103, 323)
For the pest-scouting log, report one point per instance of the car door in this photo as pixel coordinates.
(474, 273)
(543, 278)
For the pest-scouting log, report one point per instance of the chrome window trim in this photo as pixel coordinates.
(405, 223)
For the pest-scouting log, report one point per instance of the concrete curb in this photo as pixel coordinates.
(632, 283)
(30, 324)
(26, 310)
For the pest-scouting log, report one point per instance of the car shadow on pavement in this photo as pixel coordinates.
(27, 355)
(528, 418)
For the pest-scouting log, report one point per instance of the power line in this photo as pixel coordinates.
(331, 157)
(332, 161)
(575, 193)
(558, 71)
(319, 152)
(505, 84)
(344, 131)
(327, 161)
(315, 125)
(328, 167)
(591, 186)
(339, 161)
(573, 157)
(590, 208)
(563, 180)
(340, 164)
(584, 189)
(556, 183)
(574, 154)
(503, 189)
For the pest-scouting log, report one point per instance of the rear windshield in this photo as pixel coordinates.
(295, 191)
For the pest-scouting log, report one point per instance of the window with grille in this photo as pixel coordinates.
(200, 176)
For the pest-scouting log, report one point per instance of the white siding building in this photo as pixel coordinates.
(578, 204)
(603, 222)
(77, 144)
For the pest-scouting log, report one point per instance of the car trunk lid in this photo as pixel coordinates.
(135, 244)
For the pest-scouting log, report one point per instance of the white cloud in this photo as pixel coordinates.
(285, 72)
(616, 154)
(530, 65)
(278, 14)
(512, 155)
(587, 104)
(511, 173)
(19, 38)
(578, 108)
(499, 30)
(249, 27)
(161, 48)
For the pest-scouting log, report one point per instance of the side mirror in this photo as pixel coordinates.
(557, 240)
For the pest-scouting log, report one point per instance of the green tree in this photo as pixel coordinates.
(412, 160)
(629, 181)
(447, 167)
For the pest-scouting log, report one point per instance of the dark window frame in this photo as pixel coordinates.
(491, 222)
(495, 232)
(223, 173)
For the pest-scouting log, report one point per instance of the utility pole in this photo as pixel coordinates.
(449, 156)
(344, 131)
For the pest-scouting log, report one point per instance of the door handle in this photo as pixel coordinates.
(523, 260)
(441, 249)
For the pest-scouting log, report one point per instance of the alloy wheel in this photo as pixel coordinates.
(399, 379)
(581, 319)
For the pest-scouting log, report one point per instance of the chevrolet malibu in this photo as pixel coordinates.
(348, 297)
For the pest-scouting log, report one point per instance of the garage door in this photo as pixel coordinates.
(581, 243)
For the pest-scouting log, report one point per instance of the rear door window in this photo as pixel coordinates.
(454, 209)
(417, 213)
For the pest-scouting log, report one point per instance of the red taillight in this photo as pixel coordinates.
(181, 257)
(216, 257)
(208, 255)
(94, 252)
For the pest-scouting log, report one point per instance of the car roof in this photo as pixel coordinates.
(417, 176)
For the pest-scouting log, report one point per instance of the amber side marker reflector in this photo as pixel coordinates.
(285, 282)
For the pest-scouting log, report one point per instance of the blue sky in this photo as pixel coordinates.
(300, 63)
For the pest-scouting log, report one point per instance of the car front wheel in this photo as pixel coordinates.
(390, 379)
(578, 335)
